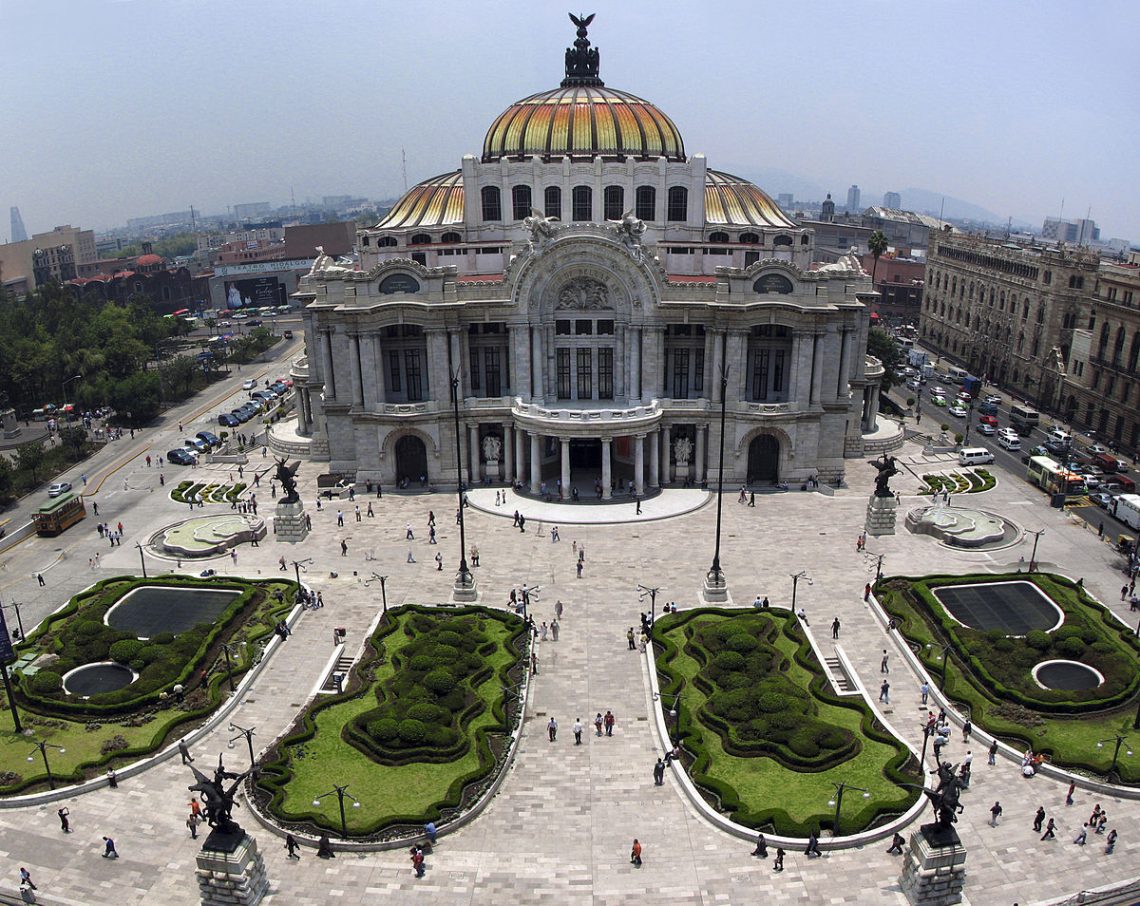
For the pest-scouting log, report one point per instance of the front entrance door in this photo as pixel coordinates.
(585, 453)
(764, 458)
(411, 458)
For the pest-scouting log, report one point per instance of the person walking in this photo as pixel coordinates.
(630, 638)
(418, 861)
(884, 667)
(778, 865)
(1050, 830)
(578, 731)
(292, 845)
(885, 693)
(1110, 842)
(192, 822)
(995, 813)
(26, 879)
(835, 628)
(558, 609)
(370, 514)
(813, 845)
(925, 690)
(993, 752)
(659, 773)
(109, 851)
(64, 824)
(411, 556)
(552, 729)
(598, 724)
(339, 518)
(409, 535)
(438, 562)
(40, 579)
(1082, 836)
(579, 566)
(761, 849)
(431, 535)
(184, 752)
(967, 729)
(432, 832)
(896, 846)
(635, 853)
(554, 630)
(1039, 819)
(609, 720)
(281, 564)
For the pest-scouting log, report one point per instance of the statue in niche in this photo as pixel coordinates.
(629, 230)
(682, 450)
(492, 448)
(541, 230)
(583, 293)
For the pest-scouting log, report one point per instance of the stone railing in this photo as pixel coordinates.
(299, 369)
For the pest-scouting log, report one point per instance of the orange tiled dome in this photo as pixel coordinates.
(583, 121)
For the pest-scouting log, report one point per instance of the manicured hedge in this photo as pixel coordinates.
(423, 709)
(794, 734)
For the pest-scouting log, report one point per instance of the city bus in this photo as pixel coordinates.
(1023, 419)
(1054, 478)
(58, 514)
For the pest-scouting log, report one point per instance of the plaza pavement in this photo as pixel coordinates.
(560, 829)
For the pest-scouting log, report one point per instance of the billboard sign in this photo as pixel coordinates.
(257, 292)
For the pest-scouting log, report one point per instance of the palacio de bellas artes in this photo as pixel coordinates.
(592, 288)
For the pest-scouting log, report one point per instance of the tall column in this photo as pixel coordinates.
(607, 468)
(378, 382)
(565, 490)
(708, 376)
(639, 464)
(367, 371)
(844, 358)
(621, 362)
(816, 366)
(717, 364)
(474, 471)
(654, 459)
(795, 380)
(354, 367)
(666, 438)
(520, 456)
(327, 365)
(536, 362)
(660, 390)
(700, 476)
(549, 363)
(535, 462)
(634, 364)
(520, 364)
(508, 452)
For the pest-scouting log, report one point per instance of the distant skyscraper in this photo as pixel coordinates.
(19, 234)
(892, 200)
(853, 199)
(786, 200)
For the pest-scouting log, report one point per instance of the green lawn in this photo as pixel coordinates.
(1069, 740)
(320, 755)
(761, 791)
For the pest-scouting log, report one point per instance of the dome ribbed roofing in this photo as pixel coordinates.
(583, 121)
(434, 202)
(733, 201)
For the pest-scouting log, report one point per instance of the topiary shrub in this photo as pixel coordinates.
(428, 713)
(47, 682)
(445, 654)
(440, 681)
(412, 732)
(89, 629)
(163, 638)
(384, 730)
(150, 654)
(125, 650)
(728, 661)
(441, 737)
(1070, 648)
(741, 642)
(1038, 640)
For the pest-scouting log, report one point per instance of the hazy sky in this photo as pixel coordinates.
(120, 108)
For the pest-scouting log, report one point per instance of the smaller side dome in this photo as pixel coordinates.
(434, 202)
(733, 201)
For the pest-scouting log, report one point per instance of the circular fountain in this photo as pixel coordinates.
(963, 527)
(208, 536)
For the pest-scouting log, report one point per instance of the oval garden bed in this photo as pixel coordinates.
(419, 732)
(100, 728)
(769, 739)
(990, 674)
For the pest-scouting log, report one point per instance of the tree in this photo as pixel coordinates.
(30, 457)
(877, 244)
(883, 347)
(5, 480)
(76, 438)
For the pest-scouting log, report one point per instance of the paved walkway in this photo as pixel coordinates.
(560, 829)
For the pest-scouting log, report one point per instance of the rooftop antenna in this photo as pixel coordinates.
(1009, 226)
(941, 208)
(404, 166)
(293, 198)
(193, 222)
(1061, 216)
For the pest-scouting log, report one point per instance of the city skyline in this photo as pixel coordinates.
(211, 104)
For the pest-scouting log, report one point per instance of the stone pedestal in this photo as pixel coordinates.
(231, 872)
(289, 522)
(681, 473)
(935, 869)
(8, 423)
(465, 592)
(714, 592)
(881, 515)
(492, 471)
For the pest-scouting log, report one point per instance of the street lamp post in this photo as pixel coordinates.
(944, 656)
(142, 557)
(16, 605)
(927, 732)
(6, 655)
(840, 789)
(383, 592)
(65, 383)
(230, 650)
(464, 580)
(1033, 556)
(42, 748)
(675, 708)
(652, 593)
(341, 792)
(715, 584)
(802, 574)
(248, 734)
(298, 565)
(1119, 740)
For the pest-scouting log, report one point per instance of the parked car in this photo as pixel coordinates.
(1096, 450)
(288, 382)
(958, 411)
(196, 444)
(254, 322)
(60, 487)
(248, 384)
(228, 420)
(1102, 500)
(986, 429)
(242, 414)
(279, 388)
(1036, 451)
(210, 438)
(181, 457)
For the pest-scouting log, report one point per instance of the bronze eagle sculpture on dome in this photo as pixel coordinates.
(583, 22)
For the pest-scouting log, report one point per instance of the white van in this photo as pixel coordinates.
(974, 456)
(1008, 438)
(1060, 438)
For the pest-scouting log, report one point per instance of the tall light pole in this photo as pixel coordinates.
(7, 654)
(65, 383)
(248, 735)
(944, 656)
(464, 580)
(340, 792)
(383, 591)
(652, 593)
(840, 789)
(1119, 740)
(298, 565)
(715, 583)
(230, 650)
(142, 558)
(1033, 556)
(802, 574)
(16, 605)
(42, 748)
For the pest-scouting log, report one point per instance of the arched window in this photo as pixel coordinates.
(386, 242)
(1025, 309)
(805, 239)
(614, 202)
(646, 203)
(1134, 354)
(420, 239)
(718, 236)
(450, 238)
(520, 202)
(678, 204)
(582, 199)
(492, 204)
(750, 238)
(552, 202)
(782, 240)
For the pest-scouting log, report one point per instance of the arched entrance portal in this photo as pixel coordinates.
(411, 458)
(764, 458)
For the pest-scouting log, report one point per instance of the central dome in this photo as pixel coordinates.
(584, 121)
